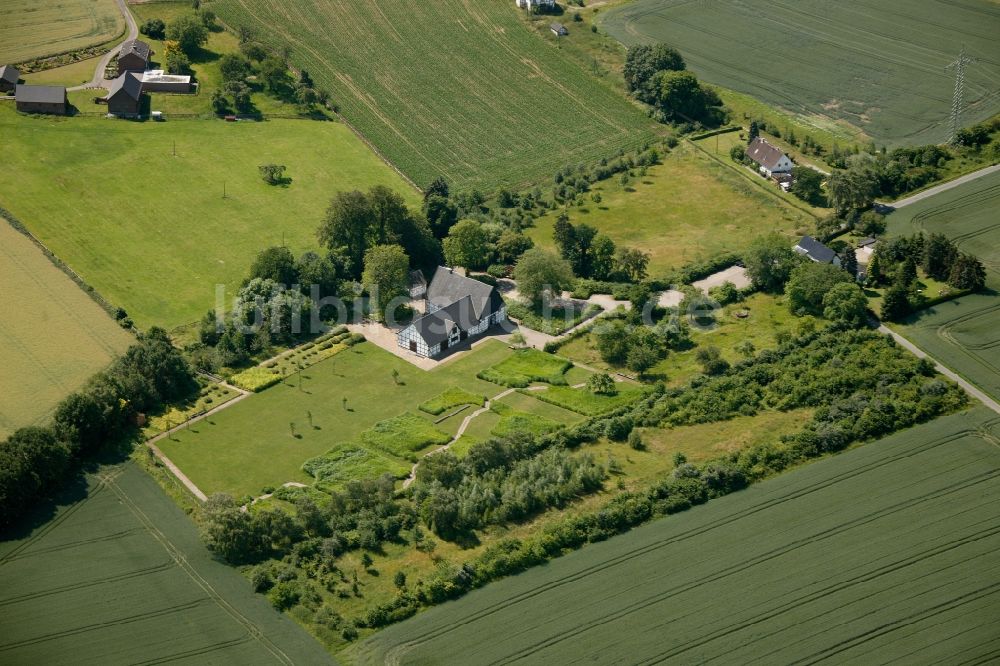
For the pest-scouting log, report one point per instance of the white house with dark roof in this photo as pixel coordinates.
(458, 308)
(769, 159)
(814, 250)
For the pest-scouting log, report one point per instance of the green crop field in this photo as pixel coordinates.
(53, 337)
(32, 29)
(120, 576)
(961, 333)
(687, 209)
(879, 66)
(251, 445)
(888, 552)
(450, 88)
(150, 229)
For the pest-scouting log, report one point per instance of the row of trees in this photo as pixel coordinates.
(36, 461)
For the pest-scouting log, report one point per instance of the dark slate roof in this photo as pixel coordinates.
(815, 250)
(40, 94)
(10, 73)
(559, 28)
(136, 47)
(417, 278)
(764, 154)
(128, 83)
(435, 327)
(447, 287)
(865, 242)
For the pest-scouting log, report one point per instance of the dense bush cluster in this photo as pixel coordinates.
(35, 461)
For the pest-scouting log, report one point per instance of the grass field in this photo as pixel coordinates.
(150, 230)
(867, 62)
(961, 333)
(119, 575)
(31, 29)
(890, 551)
(686, 209)
(53, 337)
(67, 75)
(251, 445)
(451, 88)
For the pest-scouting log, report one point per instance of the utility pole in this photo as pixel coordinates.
(957, 100)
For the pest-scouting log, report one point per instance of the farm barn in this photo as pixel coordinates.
(41, 99)
(769, 158)
(124, 96)
(133, 57)
(9, 76)
(458, 308)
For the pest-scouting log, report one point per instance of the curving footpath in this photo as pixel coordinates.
(133, 32)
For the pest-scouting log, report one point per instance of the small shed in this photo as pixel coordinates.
(9, 76)
(558, 29)
(133, 56)
(418, 284)
(124, 96)
(41, 99)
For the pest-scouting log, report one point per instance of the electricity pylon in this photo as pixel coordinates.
(957, 100)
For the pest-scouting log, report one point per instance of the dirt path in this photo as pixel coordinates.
(950, 374)
(462, 428)
(938, 189)
(168, 463)
(102, 64)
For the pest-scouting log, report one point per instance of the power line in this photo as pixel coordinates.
(957, 99)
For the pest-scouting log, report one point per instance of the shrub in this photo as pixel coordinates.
(453, 397)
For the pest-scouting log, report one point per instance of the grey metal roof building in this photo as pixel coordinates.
(815, 250)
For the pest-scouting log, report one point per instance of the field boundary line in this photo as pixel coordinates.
(180, 560)
(942, 187)
(372, 147)
(84, 286)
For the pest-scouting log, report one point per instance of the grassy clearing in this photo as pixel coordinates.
(345, 462)
(453, 397)
(584, 402)
(54, 337)
(67, 75)
(290, 365)
(526, 366)
(897, 91)
(687, 209)
(31, 30)
(513, 422)
(500, 106)
(119, 564)
(404, 435)
(961, 333)
(250, 445)
(768, 318)
(174, 236)
(908, 522)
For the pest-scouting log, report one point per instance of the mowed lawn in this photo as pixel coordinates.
(52, 335)
(451, 88)
(32, 29)
(686, 209)
(154, 231)
(251, 445)
(878, 65)
(963, 333)
(888, 552)
(120, 576)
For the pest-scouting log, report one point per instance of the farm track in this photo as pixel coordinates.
(133, 32)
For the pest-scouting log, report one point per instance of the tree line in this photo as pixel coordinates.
(37, 461)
